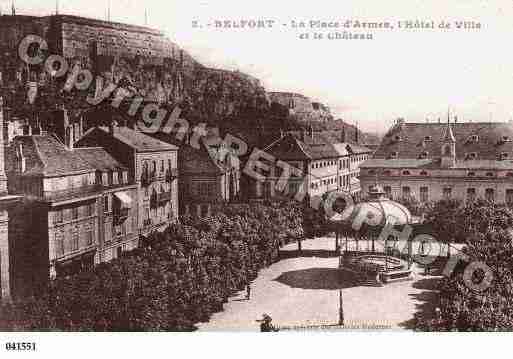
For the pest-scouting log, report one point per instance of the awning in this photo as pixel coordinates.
(124, 198)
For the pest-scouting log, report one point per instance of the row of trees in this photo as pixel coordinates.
(485, 228)
(175, 279)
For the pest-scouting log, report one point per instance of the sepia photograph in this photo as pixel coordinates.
(190, 168)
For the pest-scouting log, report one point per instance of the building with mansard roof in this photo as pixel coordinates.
(432, 161)
(77, 209)
(327, 163)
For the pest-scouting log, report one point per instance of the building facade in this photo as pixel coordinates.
(427, 162)
(62, 225)
(326, 164)
(209, 175)
(152, 165)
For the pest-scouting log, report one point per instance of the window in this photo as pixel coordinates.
(106, 204)
(423, 173)
(393, 154)
(74, 213)
(119, 252)
(90, 209)
(162, 166)
(490, 194)
(447, 192)
(387, 172)
(89, 237)
(120, 177)
(74, 241)
(267, 189)
(57, 216)
(474, 138)
(471, 174)
(428, 138)
(509, 174)
(406, 173)
(59, 244)
(406, 192)
(471, 194)
(388, 191)
(424, 197)
(490, 174)
(371, 172)
(509, 196)
(471, 155)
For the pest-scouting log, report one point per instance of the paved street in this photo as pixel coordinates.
(304, 291)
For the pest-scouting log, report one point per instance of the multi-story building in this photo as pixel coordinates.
(326, 163)
(77, 209)
(431, 161)
(209, 175)
(6, 203)
(152, 164)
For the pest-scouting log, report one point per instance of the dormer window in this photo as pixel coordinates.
(393, 154)
(406, 173)
(490, 174)
(471, 174)
(473, 138)
(471, 156)
(372, 172)
(398, 138)
(424, 154)
(423, 173)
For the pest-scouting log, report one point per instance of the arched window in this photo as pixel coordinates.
(406, 173)
(471, 174)
(423, 173)
(447, 150)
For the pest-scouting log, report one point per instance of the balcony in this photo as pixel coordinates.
(78, 193)
(148, 178)
(120, 215)
(171, 174)
(164, 197)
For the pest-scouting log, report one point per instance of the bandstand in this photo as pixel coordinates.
(363, 231)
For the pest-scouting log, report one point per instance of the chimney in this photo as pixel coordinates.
(356, 134)
(111, 128)
(69, 137)
(343, 134)
(21, 159)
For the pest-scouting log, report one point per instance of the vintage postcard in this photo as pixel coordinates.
(255, 166)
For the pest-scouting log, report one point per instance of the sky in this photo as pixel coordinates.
(419, 75)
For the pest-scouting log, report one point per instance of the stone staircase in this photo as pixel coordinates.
(367, 281)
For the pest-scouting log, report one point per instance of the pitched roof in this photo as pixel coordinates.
(100, 159)
(45, 155)
(193, 160)
(317, 146)
(410, 140)
(141, 142)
